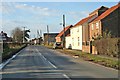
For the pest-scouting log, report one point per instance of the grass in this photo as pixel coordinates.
(9, 52)
(106, 61)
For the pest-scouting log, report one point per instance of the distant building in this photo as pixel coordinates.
(49, 38)
(4, 37)
(36, 41)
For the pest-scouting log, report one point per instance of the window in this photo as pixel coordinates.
(83, 43)
(92, 27)
(97, 25)
(87, 42)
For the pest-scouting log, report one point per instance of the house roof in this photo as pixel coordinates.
(98, 9)
(83, 21)
(62, 32)
(107, 12)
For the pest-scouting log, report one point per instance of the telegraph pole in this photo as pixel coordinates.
(64, 31)
(48, 34)
(23, 34)
(40, 33)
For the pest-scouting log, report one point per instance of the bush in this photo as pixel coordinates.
(108, 46)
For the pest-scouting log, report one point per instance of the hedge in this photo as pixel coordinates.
(108, 46)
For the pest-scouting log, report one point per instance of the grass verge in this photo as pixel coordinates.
(106, 61)
(9, 52)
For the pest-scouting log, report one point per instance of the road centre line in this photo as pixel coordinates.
(47, 60)
(53, 66)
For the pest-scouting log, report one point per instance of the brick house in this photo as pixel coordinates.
(80, 32)
(59, 37)
(106, 21)
(49, 37)
(86, 47)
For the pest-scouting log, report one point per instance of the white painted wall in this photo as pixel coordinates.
(76, 32)
(68, 41)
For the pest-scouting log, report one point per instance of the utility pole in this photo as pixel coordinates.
(48, 34)
(64, 31)
(40, 33)
(23, 34)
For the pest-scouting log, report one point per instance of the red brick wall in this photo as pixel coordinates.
(94, 51)
(86, 48)
(95, 31)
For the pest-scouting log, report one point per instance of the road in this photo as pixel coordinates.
(39, 62)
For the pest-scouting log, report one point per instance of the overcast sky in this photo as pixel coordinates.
(37, 15)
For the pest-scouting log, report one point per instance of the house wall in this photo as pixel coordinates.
(111, 23)
(95, 29)
(76, 37)
(85, 33)
(68, 41)
(86, 48)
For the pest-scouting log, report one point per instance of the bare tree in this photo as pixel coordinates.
(17, 34)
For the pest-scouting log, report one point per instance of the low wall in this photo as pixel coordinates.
(86, 49)
(94, 50)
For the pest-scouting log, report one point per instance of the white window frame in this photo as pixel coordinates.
(92, 26)
(97, 25)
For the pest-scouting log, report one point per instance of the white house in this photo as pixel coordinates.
(76, 37)
(68, 41)
(76, 33)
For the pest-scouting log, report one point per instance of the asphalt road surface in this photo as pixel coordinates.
(39, 62)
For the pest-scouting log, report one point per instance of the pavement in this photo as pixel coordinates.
(38, 62)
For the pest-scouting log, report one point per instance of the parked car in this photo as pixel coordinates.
(57, 45)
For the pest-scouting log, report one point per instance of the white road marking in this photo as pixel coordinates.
(52, 64)
(2, 65)
(66, 76)
(46, 59)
